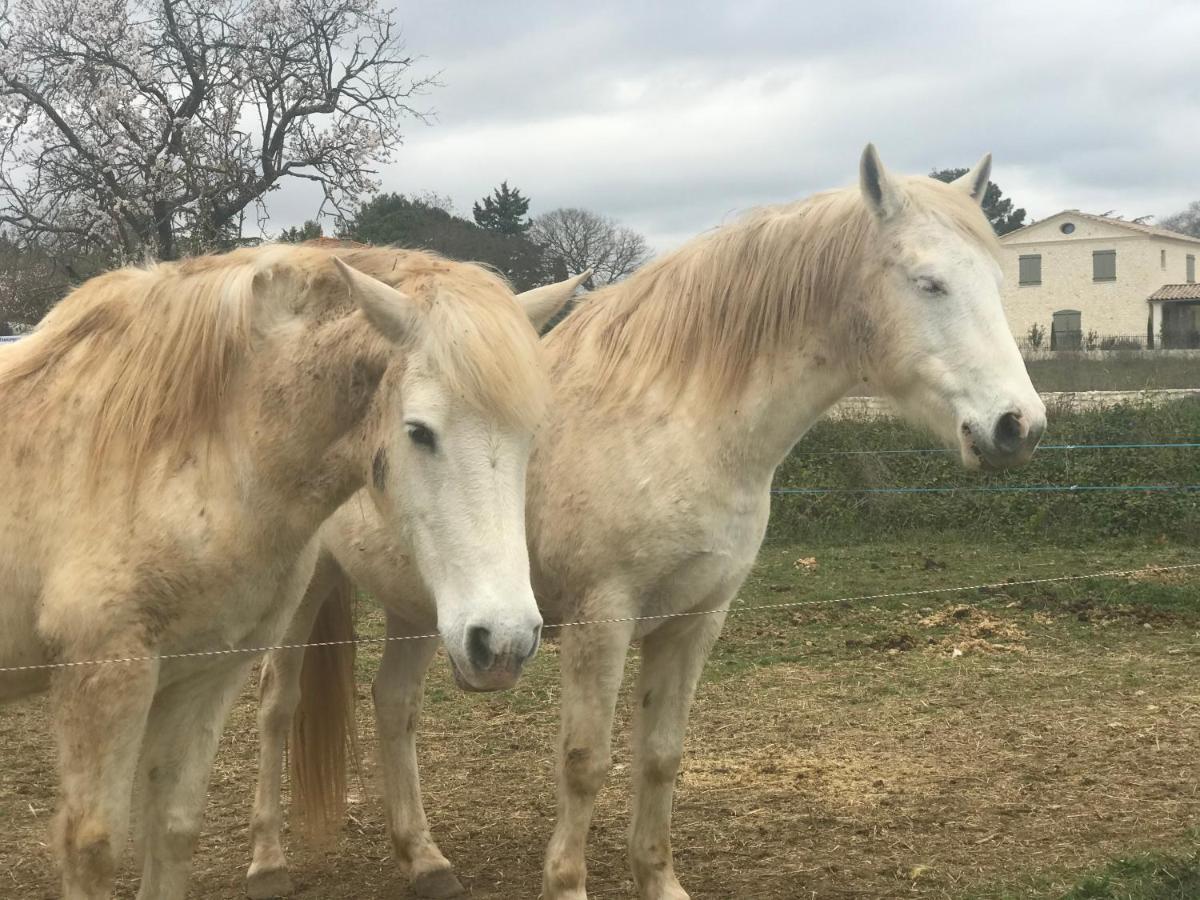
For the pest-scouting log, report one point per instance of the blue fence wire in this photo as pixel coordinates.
(1000, 489)
(1181, 445)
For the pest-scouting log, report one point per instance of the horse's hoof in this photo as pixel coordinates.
(269, 884)
(437, 884)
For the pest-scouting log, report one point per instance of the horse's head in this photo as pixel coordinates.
(454, 418)
(939, 342)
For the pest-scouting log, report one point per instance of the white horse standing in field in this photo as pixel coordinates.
(172, 439)
(676, 394)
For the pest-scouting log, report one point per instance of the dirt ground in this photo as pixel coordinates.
(945, 747)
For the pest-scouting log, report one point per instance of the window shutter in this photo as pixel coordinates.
(1030, 269)
(1104, 265)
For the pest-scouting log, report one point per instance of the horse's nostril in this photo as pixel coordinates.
(1009, 432)
(479, 649)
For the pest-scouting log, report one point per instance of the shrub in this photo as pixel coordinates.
(1036, 336)
(821, 460)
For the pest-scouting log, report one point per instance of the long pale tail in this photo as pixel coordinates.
(324, 737)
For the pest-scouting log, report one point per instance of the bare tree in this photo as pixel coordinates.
(134, 125)
(1186, 221)
(32, 280)
(581, 239)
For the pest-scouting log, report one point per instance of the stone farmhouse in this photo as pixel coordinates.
(1083, 278)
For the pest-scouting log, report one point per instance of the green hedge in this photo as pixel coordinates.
(1056, 517)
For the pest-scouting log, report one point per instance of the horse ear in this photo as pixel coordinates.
(541, 303)
(882, 196)
(975, 182)
(390, 312)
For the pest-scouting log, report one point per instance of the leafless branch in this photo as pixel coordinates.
(126, 126)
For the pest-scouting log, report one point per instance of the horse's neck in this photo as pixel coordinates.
(755, 431)
(310, 408)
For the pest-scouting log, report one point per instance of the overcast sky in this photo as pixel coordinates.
(673, 116)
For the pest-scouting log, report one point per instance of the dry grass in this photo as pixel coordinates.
(824, 760)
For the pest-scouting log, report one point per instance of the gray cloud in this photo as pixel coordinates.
(671, 116)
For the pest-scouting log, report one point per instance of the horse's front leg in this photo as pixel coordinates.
(278, 697)
(592, 659)
(672, 659)
(100, 716)
(398, 691)
(181, 741)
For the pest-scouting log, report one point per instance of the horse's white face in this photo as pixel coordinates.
(947, 356)
(450, 478)
(457, 478)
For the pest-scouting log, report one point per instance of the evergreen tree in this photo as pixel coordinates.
(422, 224)
(505, 211)
(298, 234)
(998, 208)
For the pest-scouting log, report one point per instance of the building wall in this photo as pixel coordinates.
(1107, 307)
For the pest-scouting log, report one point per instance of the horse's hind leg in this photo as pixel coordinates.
(592, 658)
(181, 741)
(399, 690)
(672, 658)
(100, 718)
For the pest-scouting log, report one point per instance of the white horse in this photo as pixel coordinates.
(676, 394)
(172, 439)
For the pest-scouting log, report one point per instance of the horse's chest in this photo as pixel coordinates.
(230, 593)
(717, 558)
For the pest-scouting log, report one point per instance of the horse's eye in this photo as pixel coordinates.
(931, 286)
(422, 436)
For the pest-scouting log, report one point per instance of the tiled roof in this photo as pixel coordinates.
(1109, 220)
(1137, 226)
(1176, 292)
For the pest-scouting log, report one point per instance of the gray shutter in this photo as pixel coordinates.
(1191, 269)
(1104, 265)
(1030, 271)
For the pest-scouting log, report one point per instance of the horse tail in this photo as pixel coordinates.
(324, 737)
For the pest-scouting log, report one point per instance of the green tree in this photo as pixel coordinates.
(504, 211)
(425, 223)
(998, 208)
(298, 234)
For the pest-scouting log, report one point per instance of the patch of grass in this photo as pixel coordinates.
(1144, 876)
(791, 608)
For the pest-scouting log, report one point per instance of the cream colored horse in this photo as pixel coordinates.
(676, 394)
(172, 439)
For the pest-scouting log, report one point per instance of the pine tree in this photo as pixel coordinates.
(503, 211)
(298, 234)
(998, 208)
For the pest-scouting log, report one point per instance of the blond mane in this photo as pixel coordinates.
(162, 344)
(477, 337)
(711, 309)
